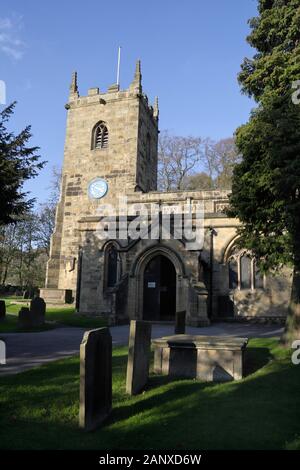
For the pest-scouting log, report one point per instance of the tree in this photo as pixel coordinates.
(22, 262)
(199, 181)
(224, 155)
(45, 226)
(25, 243)
(18, 163)
(178, 158)
(7, 250)
(47, 211)
(55, 185)
(181, 158)
(218, 159)
(266, 184)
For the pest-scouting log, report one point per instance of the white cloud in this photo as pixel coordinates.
(10, 44)
(5, 23)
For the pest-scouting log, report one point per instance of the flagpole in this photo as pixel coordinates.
(118, 68)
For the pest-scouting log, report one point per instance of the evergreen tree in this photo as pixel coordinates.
(266, 184)
(18, 163)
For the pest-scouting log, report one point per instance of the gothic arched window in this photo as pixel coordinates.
(112, 262)
(233, 274)
(258, 277)
(243, 271)
(100, 136)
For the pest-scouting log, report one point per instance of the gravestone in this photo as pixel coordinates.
(33, 317)
(138, 356)
(26, 294)
(95, 378)
(180, 323)
(2, 352)
(38, 311)
(2, 310)
(24, 318)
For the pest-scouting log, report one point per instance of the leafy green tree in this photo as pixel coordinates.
(18, 163)
(266, 184)
(25, 243)
(22, 254)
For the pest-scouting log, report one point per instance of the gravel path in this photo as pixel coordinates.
(27, 350)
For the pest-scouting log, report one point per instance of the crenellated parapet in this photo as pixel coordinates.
(113, 93)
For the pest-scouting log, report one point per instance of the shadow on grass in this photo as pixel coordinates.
(10, 325)
(255, 359)
(158, 381)
(261, 411)
(257, 413)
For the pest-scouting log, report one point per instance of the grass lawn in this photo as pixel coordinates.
(55, 316)
(39, 408)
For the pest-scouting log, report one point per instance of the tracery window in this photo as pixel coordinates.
(243, 271)
(100, 136)
(112, 262)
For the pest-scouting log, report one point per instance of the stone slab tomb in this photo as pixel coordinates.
(57, 296)
(207, 358)
(95, 378)
(138, 356)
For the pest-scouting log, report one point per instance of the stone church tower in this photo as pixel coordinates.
(111, 152)
(112, 135)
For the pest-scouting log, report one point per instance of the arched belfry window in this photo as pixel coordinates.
(100, 136)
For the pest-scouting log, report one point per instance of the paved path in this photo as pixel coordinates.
(27, 350)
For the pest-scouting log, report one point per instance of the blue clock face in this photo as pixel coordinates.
(97, 188)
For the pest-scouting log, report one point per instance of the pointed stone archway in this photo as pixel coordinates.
(158, 279)
(159, 290)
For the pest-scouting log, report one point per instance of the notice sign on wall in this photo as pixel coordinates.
(151, 285)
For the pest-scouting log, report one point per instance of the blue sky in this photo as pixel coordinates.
(190, 51)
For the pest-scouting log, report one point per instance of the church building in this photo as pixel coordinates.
(110, 164)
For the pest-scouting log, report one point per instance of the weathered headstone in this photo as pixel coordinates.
(95, 378)
(180, 323)
(26, 294)
(24, 319)
(38, 311)
(2, 310)
(138, 356)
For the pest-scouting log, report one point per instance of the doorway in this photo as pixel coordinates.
(159, 299)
